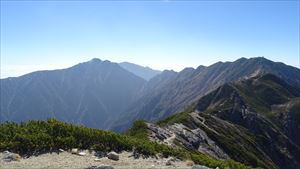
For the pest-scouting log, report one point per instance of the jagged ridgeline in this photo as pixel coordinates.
(36, 137)
(254, 121)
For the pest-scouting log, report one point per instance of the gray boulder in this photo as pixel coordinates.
(100, 167)
(200, 167)
(113, 156)
(170, 161)
(100, 154)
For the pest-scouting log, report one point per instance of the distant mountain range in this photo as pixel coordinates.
(107, 95)
(247, 110)
(171, 92)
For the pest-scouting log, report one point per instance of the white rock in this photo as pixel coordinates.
(82, 153)
(97, 159)
(74, 150)
(11, 157)
(113, 156)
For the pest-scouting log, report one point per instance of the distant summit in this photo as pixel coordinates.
(95, 60)
(143, 72)
(90, 93)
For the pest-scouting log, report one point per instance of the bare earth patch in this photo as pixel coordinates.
(66, 160)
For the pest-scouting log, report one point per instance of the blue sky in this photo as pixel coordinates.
(162, 34)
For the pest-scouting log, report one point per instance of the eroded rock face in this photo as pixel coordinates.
(193, 139)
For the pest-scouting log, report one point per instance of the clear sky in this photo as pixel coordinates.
(162, 34)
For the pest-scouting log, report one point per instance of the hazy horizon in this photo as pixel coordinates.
(55, 67)
(161, 34)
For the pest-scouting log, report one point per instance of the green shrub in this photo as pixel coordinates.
(138, 130)
(51, 135)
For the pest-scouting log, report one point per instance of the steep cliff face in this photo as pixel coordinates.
(254, 121)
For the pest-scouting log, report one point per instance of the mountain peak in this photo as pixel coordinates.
(95, 60)
(260, 59)
(187, 69)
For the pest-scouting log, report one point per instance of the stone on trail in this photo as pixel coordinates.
(105, 167)
(82, 153)
(200, 167)
(11, 157)
(170, 161)
(97, 159)
(74, 150)
(113, 156)
(101, 167)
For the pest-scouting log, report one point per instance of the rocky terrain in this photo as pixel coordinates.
(193, 139)
(90, 160)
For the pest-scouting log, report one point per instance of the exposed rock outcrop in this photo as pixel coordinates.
(193, 139)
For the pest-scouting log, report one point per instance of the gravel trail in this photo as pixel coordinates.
(66, 160)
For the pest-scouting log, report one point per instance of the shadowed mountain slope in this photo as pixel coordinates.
(91, 93)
